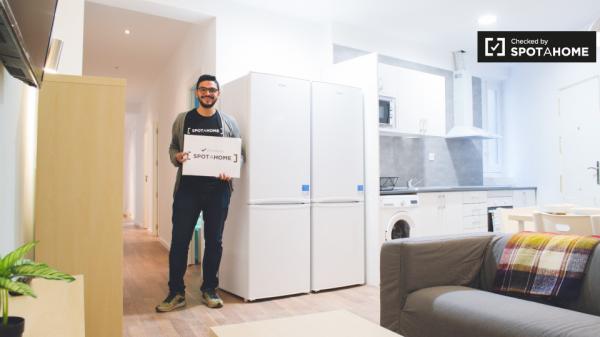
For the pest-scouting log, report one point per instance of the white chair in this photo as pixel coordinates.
(516, 220)
(567, 224)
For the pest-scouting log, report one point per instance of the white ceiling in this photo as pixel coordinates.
(138, 57)
(440, 22)
(448, 25)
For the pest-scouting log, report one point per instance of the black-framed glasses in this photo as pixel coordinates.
(205, 90)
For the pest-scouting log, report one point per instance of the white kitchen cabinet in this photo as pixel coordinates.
(475, 224)
(500, 198)
(474, 197)
(524, 198)
(388, 85)
(453, 212)
(420, 99)
(440, 213)
(429, 214)
(474, 212)
(443, 213)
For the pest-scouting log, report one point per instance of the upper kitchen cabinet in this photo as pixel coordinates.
(419, 99)
(524, 198)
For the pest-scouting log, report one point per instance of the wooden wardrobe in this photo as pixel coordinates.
(79, 190)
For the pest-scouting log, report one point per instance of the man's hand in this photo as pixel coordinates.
(224, 177)
(181, 157)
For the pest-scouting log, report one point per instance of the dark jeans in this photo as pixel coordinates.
(188, 202)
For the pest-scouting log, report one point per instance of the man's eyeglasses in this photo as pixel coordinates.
(204, 90)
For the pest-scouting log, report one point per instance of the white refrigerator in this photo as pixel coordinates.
(337, 187)
(266, 241)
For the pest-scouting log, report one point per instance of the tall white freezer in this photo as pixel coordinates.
(337, 187)
(266, 241)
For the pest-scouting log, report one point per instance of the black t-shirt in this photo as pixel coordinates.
(196, 124)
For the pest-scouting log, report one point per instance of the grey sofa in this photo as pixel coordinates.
(441, 287)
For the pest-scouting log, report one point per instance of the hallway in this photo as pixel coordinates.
(145, 274)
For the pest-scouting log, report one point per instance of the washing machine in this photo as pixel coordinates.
(396, 220)
(396, 217)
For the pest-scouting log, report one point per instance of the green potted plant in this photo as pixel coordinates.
(14, 271)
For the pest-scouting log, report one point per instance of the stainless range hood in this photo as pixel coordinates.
(463, 103)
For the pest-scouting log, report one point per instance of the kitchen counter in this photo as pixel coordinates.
(426, 189)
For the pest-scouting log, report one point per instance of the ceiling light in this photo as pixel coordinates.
(127, 32)
(486, 20)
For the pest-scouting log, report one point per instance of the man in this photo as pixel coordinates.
(195, 194)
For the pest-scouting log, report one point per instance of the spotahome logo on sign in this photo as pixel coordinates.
(536, 46)
(495, 46)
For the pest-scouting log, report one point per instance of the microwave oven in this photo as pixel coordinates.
(387, 111)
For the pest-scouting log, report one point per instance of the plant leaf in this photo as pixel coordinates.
(13, 257)
(23, 262)
(41, 270)
(16, 287)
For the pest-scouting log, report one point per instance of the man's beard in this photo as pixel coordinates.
(207, 106)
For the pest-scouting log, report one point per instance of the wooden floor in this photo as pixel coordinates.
(145, 285)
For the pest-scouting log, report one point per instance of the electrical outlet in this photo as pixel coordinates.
(431, 156)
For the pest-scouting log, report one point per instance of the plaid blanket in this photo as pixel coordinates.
(544, 265)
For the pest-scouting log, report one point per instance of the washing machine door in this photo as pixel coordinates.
(399, 226)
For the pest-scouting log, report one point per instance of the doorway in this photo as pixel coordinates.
(579, 110)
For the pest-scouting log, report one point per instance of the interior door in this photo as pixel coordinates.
(579, 106)
(148, 169)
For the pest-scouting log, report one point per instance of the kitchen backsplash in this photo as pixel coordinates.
(457, 162)
(402, 157)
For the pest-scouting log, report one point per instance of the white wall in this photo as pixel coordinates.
(68, 27)
(170, 96)
(18, 133)
(532, 126)
(251, 40)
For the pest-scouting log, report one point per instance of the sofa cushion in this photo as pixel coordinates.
(589, 297)
(455, 311)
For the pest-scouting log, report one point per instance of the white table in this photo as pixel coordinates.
(525, 214)
(520, 219)
(325, 324)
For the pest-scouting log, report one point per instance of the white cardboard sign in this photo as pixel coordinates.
(211, 156)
